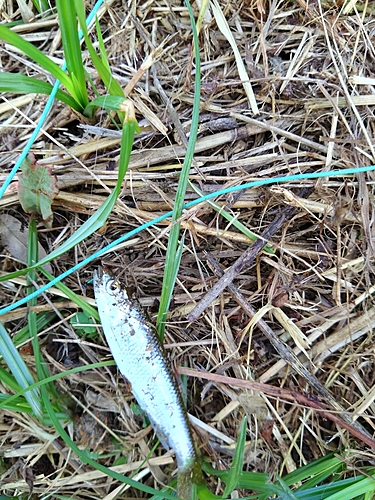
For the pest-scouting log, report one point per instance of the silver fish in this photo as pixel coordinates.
(140, 358)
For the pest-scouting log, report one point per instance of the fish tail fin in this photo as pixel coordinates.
(188, 481)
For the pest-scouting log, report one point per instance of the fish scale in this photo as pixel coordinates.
(140, 358)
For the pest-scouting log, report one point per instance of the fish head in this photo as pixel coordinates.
(106, 285)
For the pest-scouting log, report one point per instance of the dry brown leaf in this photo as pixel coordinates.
(14, 239)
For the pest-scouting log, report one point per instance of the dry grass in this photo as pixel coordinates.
(311, 69)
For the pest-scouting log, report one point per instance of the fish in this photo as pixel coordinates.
(141, 359)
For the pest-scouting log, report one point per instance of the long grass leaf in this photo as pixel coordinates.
(32, 258)
(9, 381)
(72, 49)
(22, 84)
(110, 83)
(21, 373)
(315, 472)
(103, 52)
(171, 263)
(172, 276)
(37, 56)
(237, 463)
(286, 494)
(19, 404)
(95, 222)
(21, 392)
(255, 481)
(364, 485)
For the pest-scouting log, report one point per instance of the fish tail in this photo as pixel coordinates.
(188, 480)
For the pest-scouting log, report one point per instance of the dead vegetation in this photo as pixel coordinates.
(311, 67)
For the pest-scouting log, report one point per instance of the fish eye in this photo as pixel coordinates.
(113, 286)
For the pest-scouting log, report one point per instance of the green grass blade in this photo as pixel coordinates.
(171, 263)
(32, 258)
(315, 472)
(98, 219)
(21, 373)
(37, 56)
(364, 486)
(255, 481)
(345, 489)
(110, 83)
(103, 52)
(51, 379)
(287, 494)
(9, 381)
(205, 494)
(18, 404)
(41, 6)
(237, 463)
(172, 276)
(95, 222)
(72, 49)
(22, 84)
(108, 102)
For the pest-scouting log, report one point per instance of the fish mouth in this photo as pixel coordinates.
(101, 276)
(98, 273)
